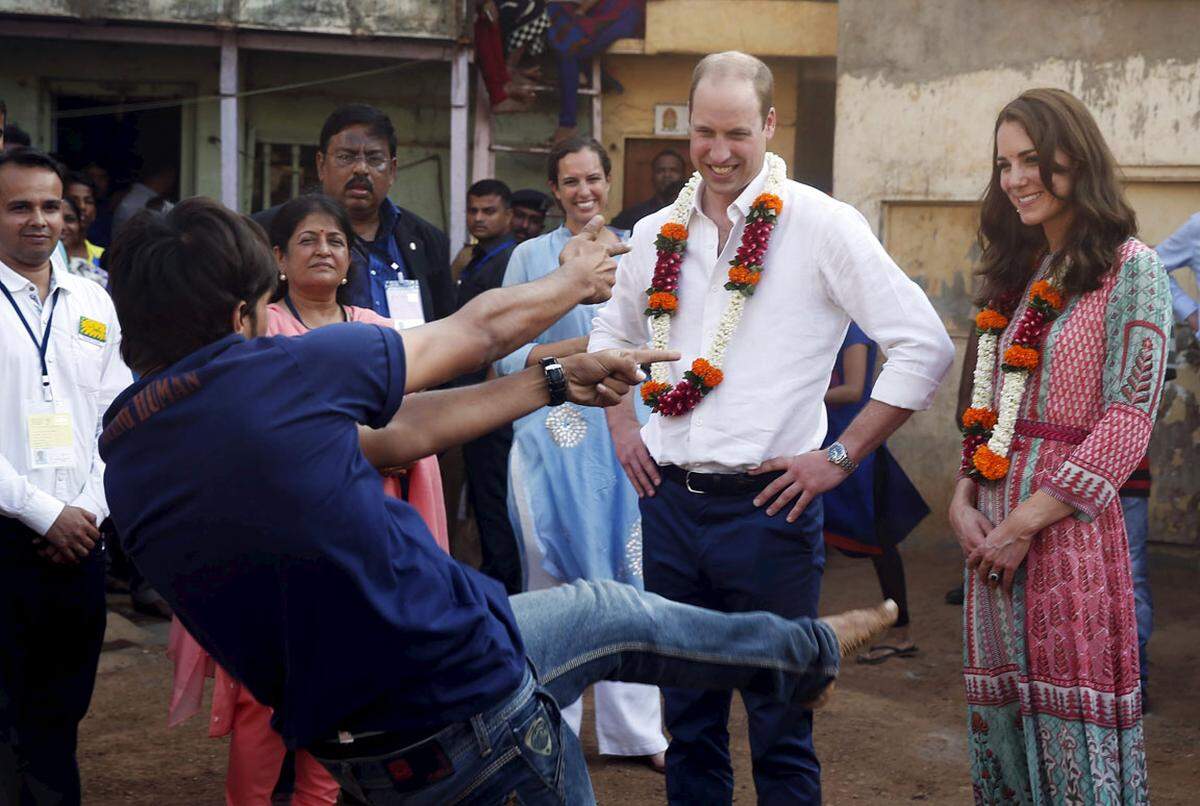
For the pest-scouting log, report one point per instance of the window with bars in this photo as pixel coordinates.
(282, 171)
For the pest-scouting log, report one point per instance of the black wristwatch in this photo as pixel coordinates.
(556, 380)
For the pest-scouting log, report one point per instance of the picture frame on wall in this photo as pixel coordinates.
(670, 120)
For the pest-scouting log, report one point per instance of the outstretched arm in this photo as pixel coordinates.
(497, 322)
(430, 422)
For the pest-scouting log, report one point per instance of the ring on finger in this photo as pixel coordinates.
(994, 577)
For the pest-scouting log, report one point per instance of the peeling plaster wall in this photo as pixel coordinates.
(919, 85)
(414, 18)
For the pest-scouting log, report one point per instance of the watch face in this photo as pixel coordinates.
(836, 452)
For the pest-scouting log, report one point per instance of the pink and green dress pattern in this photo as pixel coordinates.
(1051, 672)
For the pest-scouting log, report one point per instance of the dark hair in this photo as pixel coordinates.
(67, 200)
(4, 109)
(175, 279)
(1055, 120)
(573, 145)
(533, 199)
(491, 187)
(289, 216)
(79, 178)
(669, 152)
(31, 158)
(15, 135)
(377, 123)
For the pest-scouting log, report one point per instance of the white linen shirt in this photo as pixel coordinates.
(84, 373)
(824, 267)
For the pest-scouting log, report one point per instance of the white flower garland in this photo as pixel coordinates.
(681, 213)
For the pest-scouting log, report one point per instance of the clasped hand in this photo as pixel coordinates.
(603, 378)
(805, 476)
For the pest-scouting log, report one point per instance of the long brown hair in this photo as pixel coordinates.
(1055, 120)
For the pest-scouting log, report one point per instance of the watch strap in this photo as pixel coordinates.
(556, 380)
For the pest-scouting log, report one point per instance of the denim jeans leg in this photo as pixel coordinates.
(1137, 528)
(578, 634)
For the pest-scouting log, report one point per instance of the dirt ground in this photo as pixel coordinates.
(893, 733)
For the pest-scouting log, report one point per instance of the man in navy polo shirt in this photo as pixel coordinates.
(242, 487)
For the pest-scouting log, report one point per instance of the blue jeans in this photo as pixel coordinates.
(722, 552)
(576, 635)
(1137, 528)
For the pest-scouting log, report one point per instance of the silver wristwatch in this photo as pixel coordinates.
(836, 453)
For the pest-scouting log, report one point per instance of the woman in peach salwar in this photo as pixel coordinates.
(311, 238)
(1068, 375)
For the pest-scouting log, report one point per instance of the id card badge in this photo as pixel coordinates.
(404, 303)
(50, 434)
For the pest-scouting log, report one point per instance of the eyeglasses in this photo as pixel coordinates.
(374, 161)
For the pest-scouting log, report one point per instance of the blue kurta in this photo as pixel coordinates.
(565, 483)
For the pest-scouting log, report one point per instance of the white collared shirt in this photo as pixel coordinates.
(85, 373)
(824, 268)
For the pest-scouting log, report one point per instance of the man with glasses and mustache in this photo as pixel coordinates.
(356, 163)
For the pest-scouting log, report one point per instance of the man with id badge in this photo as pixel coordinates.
(60, 361)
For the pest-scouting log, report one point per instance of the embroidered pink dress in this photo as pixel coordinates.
(1053, 695)
(256, 751)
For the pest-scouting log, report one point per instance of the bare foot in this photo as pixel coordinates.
(658, 762)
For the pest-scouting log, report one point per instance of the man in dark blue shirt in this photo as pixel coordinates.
(239, 474)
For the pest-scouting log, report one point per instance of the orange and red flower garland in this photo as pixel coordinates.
(745, 270)
(987, 430)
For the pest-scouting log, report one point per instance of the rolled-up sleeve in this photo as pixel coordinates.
(621, 322)
(890, 308)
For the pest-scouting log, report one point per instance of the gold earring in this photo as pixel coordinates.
(282, 277)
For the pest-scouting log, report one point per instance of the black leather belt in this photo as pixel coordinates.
(718, 483)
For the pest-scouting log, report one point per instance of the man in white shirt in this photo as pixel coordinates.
(1181, 250)
(59, 358)
(731, 518)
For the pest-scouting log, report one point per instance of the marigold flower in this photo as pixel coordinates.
(709, 375)
(989, 319)
(650, 389)
(663, 301)
(743, 276)
(991, 465)
(769, 201)
(1021, 357)
(1048, 293)
(984, 418)
(673, 231)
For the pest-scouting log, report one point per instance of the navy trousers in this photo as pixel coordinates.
(723, 553)
(52, 621)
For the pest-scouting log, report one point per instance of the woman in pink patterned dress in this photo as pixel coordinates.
(1082, 312)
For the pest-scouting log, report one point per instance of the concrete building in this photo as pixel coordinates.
(919, 86)
(233, 94)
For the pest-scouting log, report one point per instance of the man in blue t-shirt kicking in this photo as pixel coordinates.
(240, 478)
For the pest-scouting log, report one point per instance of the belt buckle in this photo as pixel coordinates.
(687, 482)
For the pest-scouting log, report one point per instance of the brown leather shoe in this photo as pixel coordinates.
(856, 629)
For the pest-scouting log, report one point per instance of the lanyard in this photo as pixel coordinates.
(288, 301)
(44, 343)
(475, 264)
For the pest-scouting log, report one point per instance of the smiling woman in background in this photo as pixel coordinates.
(570, 503)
